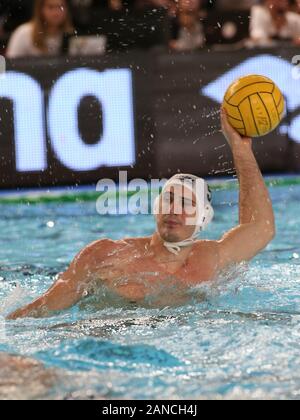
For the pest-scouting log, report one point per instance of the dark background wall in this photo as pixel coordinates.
(176, 120)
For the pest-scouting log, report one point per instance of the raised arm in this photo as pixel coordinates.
(257, 224)
(68, 289)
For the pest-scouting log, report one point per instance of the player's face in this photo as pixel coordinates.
(177, 214)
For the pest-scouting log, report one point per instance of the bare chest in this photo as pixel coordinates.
(135, 277)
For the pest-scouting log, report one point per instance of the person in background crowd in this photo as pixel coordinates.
(190, 33)
(43, 35)
(274, 20)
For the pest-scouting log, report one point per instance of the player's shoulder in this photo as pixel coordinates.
(136, 242)
(207, 247)
(206, 244)
(206, 254)
(106, 244)
(96, 248)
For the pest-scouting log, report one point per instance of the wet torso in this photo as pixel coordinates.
(131, 269)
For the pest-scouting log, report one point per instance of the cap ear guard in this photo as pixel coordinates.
(208, 216)
(208, 210)
(156, 205)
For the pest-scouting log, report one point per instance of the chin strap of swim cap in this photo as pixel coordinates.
(205, 212)
(175, 247)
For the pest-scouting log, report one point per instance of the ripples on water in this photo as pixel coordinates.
(235, 338)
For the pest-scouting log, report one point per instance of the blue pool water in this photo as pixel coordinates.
(236, 338)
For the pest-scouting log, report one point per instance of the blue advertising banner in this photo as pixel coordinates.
(74, 121)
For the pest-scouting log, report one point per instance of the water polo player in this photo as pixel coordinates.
(174, 251)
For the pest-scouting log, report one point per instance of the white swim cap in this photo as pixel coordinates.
(205, 212)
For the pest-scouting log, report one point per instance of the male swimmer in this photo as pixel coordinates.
(173, 251)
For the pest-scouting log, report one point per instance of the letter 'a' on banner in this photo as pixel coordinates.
(113, 89)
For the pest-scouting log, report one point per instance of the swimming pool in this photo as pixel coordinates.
(238, 338)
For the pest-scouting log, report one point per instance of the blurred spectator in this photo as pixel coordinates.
(43, 35)
(190, 32)
(274, 20)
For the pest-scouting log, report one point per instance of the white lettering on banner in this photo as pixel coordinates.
(113, 88)
(2, 66)
(277, 69)
(28, 105)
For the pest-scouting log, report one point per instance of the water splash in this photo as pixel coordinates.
(17, 296)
